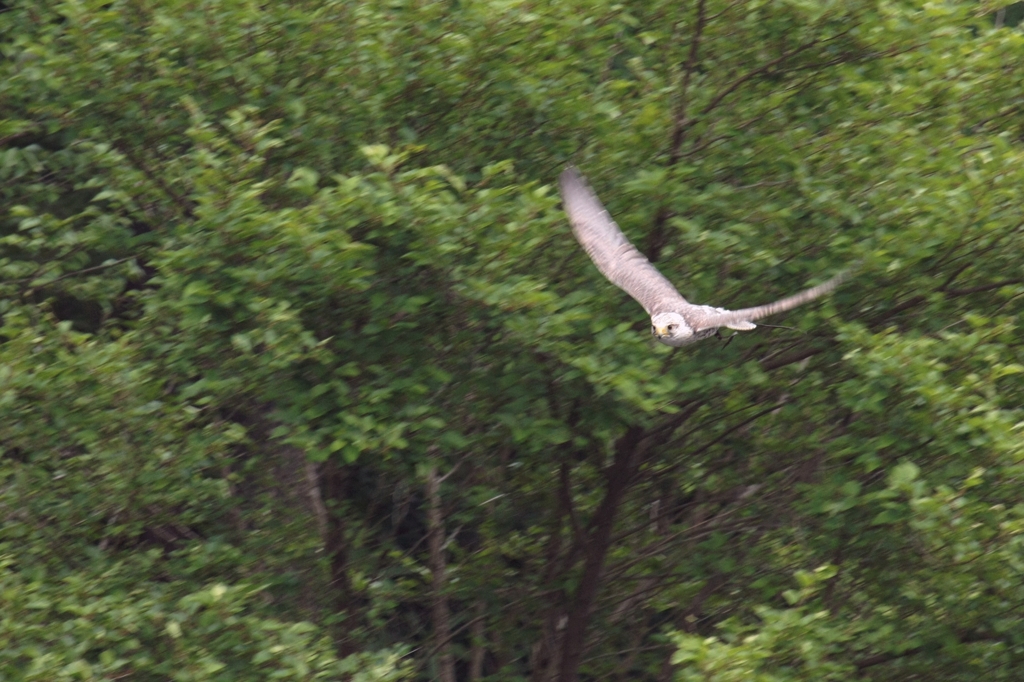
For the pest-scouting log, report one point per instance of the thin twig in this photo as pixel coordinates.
(76, 273)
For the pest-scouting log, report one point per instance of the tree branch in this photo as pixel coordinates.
(981, 287)
(180, 201)
(970, 637)
(629, 452)
(18, 135)
(656, 239)
(732, 87)
(679, 123)
(566, 493)
(440, 613)
(76, 273)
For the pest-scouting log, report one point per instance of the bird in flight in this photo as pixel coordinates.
(674, 320)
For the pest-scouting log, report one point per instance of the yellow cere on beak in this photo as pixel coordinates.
(661, 331)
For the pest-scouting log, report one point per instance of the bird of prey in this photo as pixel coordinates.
(674, 320)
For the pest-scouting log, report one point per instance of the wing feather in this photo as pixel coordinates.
(731, 317)
(614, 256)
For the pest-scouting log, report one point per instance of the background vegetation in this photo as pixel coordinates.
(303, 376)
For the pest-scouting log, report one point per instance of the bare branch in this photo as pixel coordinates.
(180, 201)
(630, 450)
(732, 87)
(76, 273)
(18, 135)
(981, 287)
(679, 124)
(440, 613)
(566, 492)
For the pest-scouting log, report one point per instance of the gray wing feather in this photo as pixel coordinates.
(727, 318)
(614, 256)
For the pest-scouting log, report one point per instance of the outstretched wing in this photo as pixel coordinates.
(732, 317)
(614, 256)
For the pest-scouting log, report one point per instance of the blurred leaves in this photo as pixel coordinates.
(262, 266)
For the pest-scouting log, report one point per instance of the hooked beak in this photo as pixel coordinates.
(660, 331)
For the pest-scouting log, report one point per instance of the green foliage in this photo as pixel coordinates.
(110, 627)
(297, 349)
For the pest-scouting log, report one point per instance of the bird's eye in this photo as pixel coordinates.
(672, 327)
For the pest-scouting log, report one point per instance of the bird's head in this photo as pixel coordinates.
(671, 329)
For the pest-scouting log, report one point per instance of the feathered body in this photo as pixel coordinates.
(674, 320)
